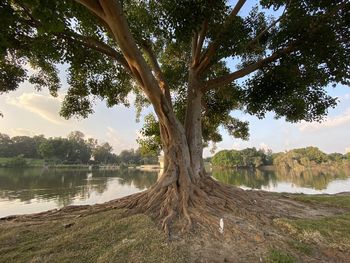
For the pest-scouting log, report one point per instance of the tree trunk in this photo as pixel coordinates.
(193, 125)
(183, 191)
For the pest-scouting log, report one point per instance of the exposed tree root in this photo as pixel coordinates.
(202, 204)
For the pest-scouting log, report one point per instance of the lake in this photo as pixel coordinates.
(34, 189)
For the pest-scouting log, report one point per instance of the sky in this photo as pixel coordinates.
(30, 112)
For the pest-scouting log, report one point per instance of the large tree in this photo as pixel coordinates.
(174, 55)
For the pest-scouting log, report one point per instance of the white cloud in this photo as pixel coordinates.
(345, 97)
(237, 146)
(347, 150)
(117, 141)
(264, 146)
(21, 132)
(46, 107)
(330, 122)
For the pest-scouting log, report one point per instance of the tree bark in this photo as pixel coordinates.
(193, 125)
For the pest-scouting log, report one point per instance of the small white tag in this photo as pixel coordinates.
(221, 226)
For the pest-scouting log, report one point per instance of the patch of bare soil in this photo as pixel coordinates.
(245, 234)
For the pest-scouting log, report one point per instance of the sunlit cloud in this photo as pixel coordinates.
(236, 146)
(330, 122)
(21, 132)
(115, 139)
(46, 107)
(264, 146)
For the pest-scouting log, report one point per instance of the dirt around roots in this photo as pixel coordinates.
(262, 233)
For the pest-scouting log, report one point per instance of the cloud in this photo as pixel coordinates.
(347, 150)
(264, 146)
(117, 141)
(330, 122)
(46, 107)
(237, 146)
(345, 97)
(21, 132)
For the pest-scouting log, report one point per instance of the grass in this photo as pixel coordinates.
(328, 200)
(279, 256)
(30, 161)
(333, 232)
(107, 237)
(301, 247)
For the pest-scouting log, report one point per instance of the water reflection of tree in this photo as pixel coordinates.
(252, 178)
(61, 185)
(137, 178)
(316, 178)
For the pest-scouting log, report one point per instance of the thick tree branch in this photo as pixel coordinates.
(117, 22)
(207, 57)
(33, 21)
(199, 43)
(93, 5)
(194, 43)
(97, 45)
(157, 71)
(220, 81)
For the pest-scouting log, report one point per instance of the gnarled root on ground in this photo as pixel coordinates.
(202, 204)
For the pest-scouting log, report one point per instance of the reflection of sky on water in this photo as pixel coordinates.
(114, 190)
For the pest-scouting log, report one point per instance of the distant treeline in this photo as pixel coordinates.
(296, 158)
(74, 149)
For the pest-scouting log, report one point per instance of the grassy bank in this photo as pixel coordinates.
(20, 162)
(318, 237)
(111, 236)
(102, 237)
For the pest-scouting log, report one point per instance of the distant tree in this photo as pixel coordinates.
(92, 143)
(148, 157)
(5, 145)
(304, 157)
(313, 154)
(103, 154)
(26, 146)
(38, 140)
(76, 136)
(223, 158)
(55, 148)
(249, 157)
(336, 157)
(79, 149)
(347, 156)
(130, 157)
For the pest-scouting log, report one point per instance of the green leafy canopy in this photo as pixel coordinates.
(287, 60)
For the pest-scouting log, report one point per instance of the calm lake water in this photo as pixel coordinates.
(34, 190)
